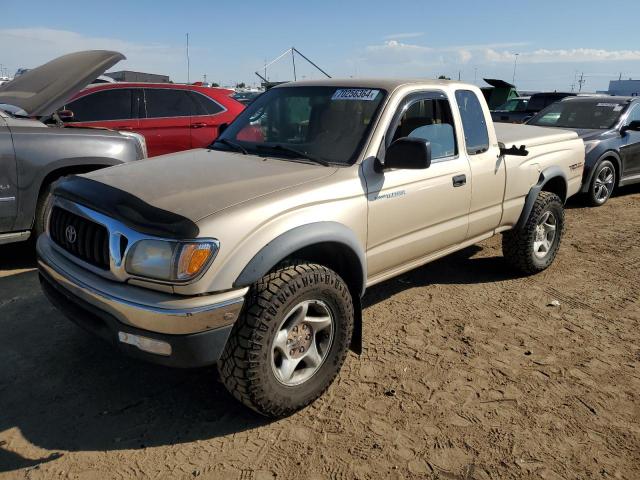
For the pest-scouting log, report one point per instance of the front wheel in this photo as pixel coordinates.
(533, 247)
(602, 183)
(291, 340)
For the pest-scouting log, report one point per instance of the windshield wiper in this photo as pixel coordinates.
(234, 145)
(296, 152)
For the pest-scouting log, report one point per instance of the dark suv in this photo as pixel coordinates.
(610, 128)
(537, 102)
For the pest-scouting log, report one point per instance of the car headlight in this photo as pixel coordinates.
(170, 261)
(590, 145)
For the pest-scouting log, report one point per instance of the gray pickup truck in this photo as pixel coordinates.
(254, 253)
(34, 154)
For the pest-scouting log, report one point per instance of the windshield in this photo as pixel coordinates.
(514, 105)
(587, 114)
(322, 124)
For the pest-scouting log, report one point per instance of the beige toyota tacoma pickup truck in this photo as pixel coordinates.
(254, 254)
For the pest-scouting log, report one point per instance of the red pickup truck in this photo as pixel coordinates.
(171, 117)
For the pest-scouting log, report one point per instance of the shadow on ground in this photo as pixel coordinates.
(579, 201)
(66, 390)
(17, 256)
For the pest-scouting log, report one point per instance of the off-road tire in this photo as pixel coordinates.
(245, 366)
(517, 244)
(42, 210)
(591, 196)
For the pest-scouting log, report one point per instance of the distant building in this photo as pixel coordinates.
(129, 76)
(627, 88)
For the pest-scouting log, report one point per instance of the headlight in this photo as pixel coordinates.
(590, 145)
(170, 261)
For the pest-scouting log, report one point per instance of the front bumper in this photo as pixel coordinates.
(193, 330)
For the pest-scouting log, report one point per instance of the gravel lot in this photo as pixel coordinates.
(469, 372)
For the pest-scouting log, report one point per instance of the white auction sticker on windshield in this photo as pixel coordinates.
(610, 105)
(365, 94)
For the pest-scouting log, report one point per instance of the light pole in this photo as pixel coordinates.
(515, 64)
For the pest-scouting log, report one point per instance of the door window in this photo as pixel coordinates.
(634, 115)
(103, 105)
(163, 102)
(429, 119)
(474, 122)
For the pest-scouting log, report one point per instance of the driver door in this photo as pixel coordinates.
(415, 213)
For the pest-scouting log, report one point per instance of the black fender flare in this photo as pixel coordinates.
(295, 239)
(546, 175)
(589, 176)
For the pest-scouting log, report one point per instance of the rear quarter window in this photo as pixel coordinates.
(204, 105)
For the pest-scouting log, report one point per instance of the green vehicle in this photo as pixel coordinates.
(498, 93)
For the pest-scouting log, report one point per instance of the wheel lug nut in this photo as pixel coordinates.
(292, 352)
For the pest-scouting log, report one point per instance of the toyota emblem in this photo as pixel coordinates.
(70, 233)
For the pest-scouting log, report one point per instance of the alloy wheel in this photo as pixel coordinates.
(302, 342)
(603, 184)
(545, 234)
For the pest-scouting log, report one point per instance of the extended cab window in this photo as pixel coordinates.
(429, 119)
(103, 105)
(163, 102)
(474, 123)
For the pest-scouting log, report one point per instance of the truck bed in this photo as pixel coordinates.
(511, 134)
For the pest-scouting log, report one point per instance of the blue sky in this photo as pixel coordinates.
(230, 40)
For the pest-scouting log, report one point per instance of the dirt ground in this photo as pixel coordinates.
(469, 372)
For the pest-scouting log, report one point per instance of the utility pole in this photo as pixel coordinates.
(515, 64)
(188, 61)
(581, 82)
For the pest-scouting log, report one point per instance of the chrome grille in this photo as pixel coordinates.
(87, 240)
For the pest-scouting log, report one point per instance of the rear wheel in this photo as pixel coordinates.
(602, 183)
(291, 340)
(533, 247)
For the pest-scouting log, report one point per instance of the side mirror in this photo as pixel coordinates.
(65, 115)
(633, 126)
(408, 153)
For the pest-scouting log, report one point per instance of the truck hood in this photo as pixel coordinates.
(43, 90)
(197, 183)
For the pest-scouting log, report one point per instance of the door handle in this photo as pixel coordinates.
(123, 127)
(459, 180)
(199, 125)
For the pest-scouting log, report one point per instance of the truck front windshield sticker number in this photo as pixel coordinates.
(365, 94)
